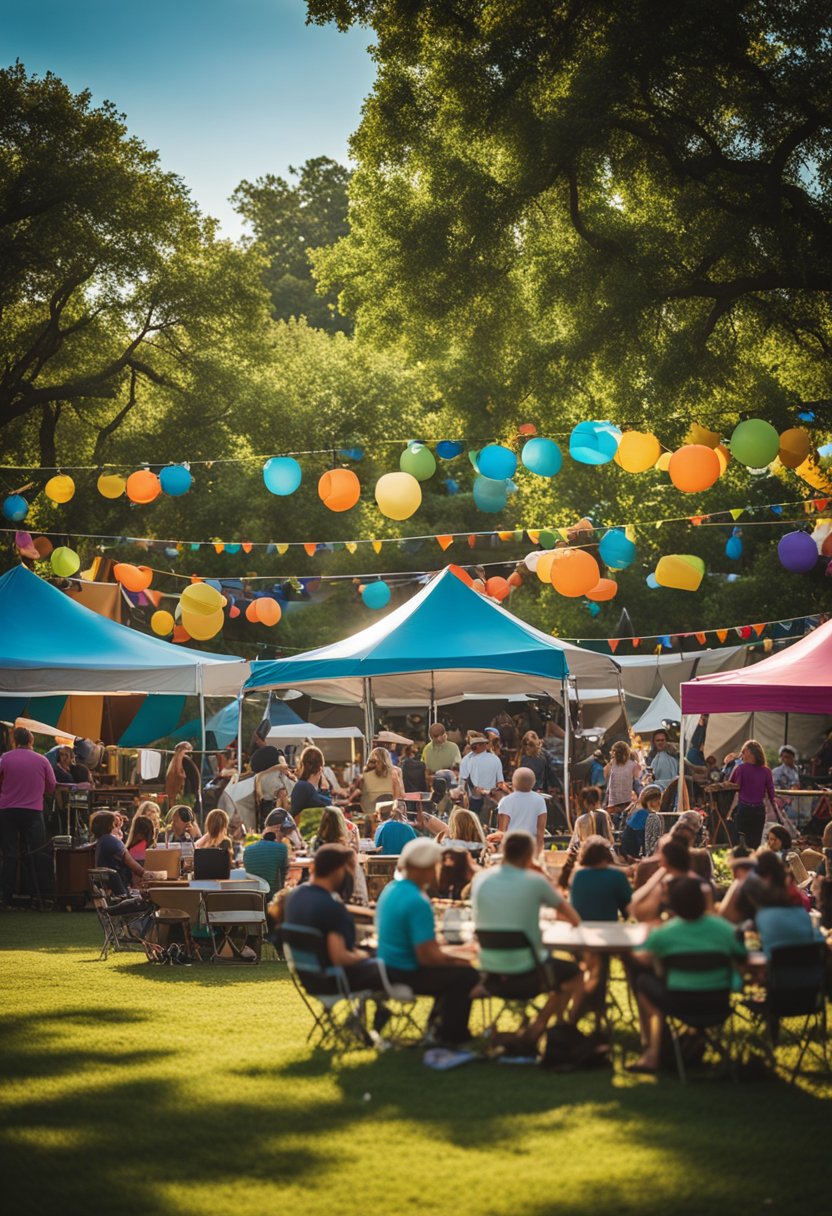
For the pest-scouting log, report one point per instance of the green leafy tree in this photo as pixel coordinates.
(287, 222)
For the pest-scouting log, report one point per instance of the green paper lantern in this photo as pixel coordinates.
(755, 443)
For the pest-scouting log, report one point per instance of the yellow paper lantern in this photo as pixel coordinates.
(637, 451)
(794, 447)
(663, 462)
(701, 434)
(693, 468)
(682, 571)
(110, 485)
(60, 488)
(200, 599)
(202, 626)
(574, 572)
(543, 568)
(398, 495)
(162, 623)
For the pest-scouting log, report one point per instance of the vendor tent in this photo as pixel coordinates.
(446, 640)
(51, 644)
(661, 709)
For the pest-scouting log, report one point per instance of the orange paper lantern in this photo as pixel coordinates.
(498, 588)
(605, 589)
(723, 456)
(180, 634)
(339, 489)
(515, 580)
(132, 578)
(794, 447)
(543, 569)
(693, 468)
(143, 486)
(268, 611)
(251, 612)
(574, 572)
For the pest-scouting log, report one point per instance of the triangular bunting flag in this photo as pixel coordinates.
(736, 513)
(282, 548)
(534, 535)
(350, 546)
(445, 542)
(758, 629)
(821, 504)
(218, 546)
(472, 541)
(807, 507)
(613, 644)
(563, 533)
(636, 643)
(696, 520)
(722, 634)
(377, 546)
(310, 546)
(700, 637)
(247, 546)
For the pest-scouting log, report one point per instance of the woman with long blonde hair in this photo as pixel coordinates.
(621, 773)
(756, 785)
(465, 826)
(380, 779)
(311, 788)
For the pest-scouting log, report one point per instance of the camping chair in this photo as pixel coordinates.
(709, 1026)
(794, 988)
(499, 986)
(236, 921)
(123, 920)
(337, 1012)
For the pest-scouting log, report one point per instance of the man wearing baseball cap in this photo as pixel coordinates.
(408, 947)
(480, 772)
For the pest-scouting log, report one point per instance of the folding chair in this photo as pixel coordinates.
(236, 921)
(709, 1026)
(794, 988)
(500, 985)
(337, 1012)
(403, 1030)
(122, 921)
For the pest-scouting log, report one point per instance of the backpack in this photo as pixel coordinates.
(568, 1049)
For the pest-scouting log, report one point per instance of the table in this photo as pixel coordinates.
(604, 937)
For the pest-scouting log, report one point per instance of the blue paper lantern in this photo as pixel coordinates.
(447, 449)
(376, 595)
(451, 486)
(15, 508)
(171, 551)
(176, 480)
(594, 442)
(490, 495)
(616, 550)
(215, 583)
(798, 553)
(497, 462)
(542, 457)
(593, 609)
(282, 475)
(733, 548)
(651, 582)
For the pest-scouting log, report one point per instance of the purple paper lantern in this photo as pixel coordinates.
(798, 553)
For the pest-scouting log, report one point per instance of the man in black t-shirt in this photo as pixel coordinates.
(313, 905)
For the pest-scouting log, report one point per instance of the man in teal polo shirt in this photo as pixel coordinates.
(394, 832)
(408, 947)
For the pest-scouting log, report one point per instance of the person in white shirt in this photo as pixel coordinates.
(480, 773)
(523, 810)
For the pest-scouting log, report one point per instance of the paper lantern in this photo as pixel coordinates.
(594, 442)
(755, 443)
(478, 585)
(132, 578)
(593, 609)
(797, 552)
(376, 595)
(547, 539)
(693, 468)
(202, 627)
(515, 579)
(162, 623)
(15, 508)
(638, 451)
(143, 487)
(723, 456)
(282, 475)
(701, 434)
(268, 611)
(65, 562)
(26, 546)
(682, 571)
(663, 463)
(418, 461)
(542, 457)
(605, 589)
(497, 462)
(794, 447)
(489, 495)
(651, 582)
(498, 588)
(447, 449)
(201, 599)
(733, 548)
(175, 480)
(339, 489)
(180, 635)
(251, 612)
(59, 488)
(616, 550)
(111, 485)
(398, 495)
(531, 559)
(543, 566)
(233, 612)
(574, 572)
(43, 545)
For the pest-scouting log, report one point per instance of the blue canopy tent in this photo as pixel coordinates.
(51, 644)
(445, 641)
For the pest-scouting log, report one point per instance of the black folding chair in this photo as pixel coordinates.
(501, 986)
(794, 989)
(337, 1011)
(124, 920)
(710, 1025)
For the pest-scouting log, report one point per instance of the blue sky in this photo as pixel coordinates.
(224, 89)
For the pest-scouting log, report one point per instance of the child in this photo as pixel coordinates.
(640, 837)
(621, 773)
(592, 821)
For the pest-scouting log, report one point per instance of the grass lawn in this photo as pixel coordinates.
(128, 1088)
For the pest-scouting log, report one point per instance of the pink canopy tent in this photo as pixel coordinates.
(798, 680)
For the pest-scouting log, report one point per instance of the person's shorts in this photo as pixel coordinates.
(672, 1002)
(550, 976)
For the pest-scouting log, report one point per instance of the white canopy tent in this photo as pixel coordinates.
(661, 709)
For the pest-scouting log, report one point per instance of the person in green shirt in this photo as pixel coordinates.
(690, 931)
(440, 753)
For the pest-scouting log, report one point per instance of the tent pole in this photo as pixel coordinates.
(369, 729)
(201, 719)
(681, 788)
(564, 686)
(240, 731)
(432, 710)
